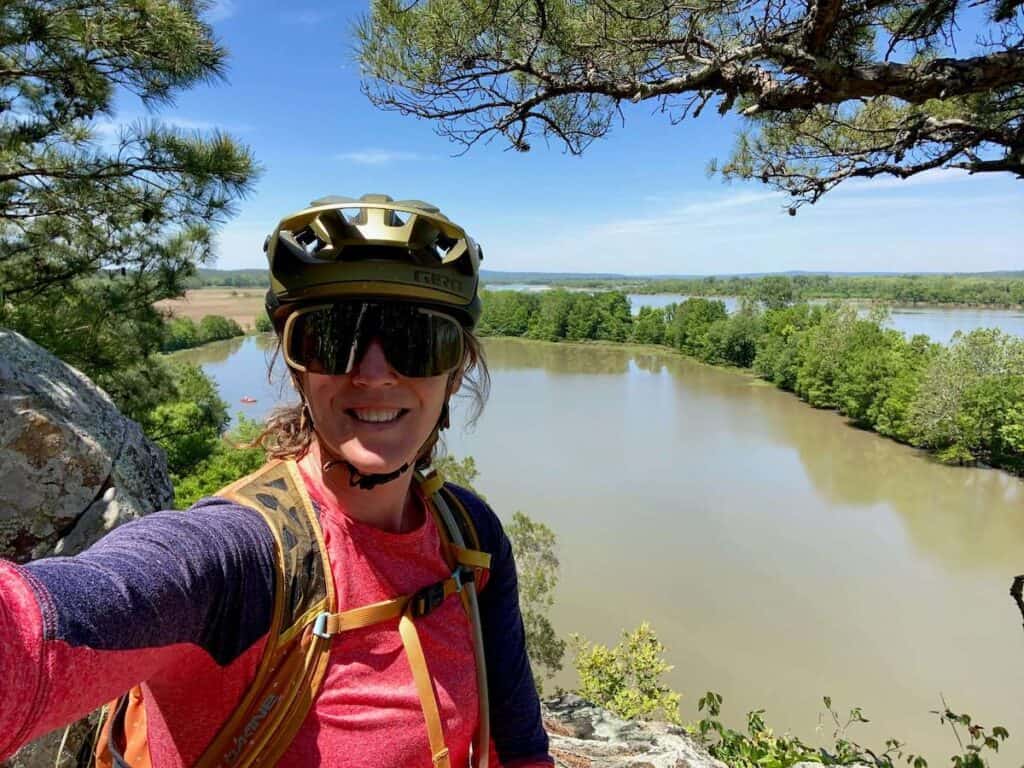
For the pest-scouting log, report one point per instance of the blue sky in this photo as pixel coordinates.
(637, 202)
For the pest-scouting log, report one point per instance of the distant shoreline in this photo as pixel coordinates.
(243, 305)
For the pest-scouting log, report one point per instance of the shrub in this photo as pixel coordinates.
(262, 323)
(228, 460)
(216, 328)
(179, 333)
(189, 423)
(626, 679)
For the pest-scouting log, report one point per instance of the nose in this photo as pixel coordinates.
(373, 369)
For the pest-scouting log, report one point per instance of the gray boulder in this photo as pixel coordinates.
(586, 736)
(71, 466)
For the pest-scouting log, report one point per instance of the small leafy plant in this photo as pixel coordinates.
(626, 679)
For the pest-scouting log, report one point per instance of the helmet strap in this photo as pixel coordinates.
(365, 482)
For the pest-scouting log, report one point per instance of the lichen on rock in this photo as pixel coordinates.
(71, 466)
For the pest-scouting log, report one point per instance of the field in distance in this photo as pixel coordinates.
(242, 305)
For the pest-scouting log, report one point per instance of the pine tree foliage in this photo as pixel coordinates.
(829, 90)
(99, 219)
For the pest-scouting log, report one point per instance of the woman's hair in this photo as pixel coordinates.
(288, 432)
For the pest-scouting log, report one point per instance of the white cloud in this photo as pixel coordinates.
(306, 18)
(375, 156)
(750, 232)
(702, 213)
(220, 10)
(110, 129)
(925, 178)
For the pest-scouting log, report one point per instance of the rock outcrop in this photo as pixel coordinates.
(587, 736)
(71, 466)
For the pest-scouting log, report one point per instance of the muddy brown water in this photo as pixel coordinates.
(779, 554)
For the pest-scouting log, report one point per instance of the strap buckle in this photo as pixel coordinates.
(462, 576)
(426, 600)
(320, 626)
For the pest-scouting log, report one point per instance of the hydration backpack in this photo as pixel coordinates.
(295, 657)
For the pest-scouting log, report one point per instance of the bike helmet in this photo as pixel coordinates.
(373, 247)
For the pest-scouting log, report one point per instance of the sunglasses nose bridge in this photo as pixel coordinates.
(371, 365)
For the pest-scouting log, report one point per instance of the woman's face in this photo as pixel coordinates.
(373, 417)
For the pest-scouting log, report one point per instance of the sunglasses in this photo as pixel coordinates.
(332, 338)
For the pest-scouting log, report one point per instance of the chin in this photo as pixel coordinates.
(371, 462)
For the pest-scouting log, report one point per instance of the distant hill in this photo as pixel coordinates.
(256, 278)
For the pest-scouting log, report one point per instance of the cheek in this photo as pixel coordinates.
(320, 391)
(432, 393)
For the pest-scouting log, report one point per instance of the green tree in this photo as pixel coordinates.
(889, 414)
(774, 291)
(180, 333)
(820, 352)
(217, 328)
(93, 230)
(614, 317)
(649, 327)
(734, 340)
(582, 320)
(968, 393)
(690, 323)
(827, 91)
(550, 322)
(778, 353)
(534, 545)
(506, 313)
(461, 472)
(188, 424)
(626, 679)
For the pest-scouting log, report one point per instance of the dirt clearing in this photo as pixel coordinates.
(240, 304)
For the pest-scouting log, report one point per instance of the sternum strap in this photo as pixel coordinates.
(408, 608)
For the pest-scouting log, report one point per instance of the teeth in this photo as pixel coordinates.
(377, 416)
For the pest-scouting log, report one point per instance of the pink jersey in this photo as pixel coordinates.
(58, 661)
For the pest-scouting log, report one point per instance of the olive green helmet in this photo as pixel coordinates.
(376, 248)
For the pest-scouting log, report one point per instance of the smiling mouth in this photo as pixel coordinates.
(376, 415)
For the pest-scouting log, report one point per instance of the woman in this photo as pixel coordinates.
(324, 611)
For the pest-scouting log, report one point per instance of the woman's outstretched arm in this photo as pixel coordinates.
(78, 632)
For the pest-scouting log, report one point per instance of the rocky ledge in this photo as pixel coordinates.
(586, 736)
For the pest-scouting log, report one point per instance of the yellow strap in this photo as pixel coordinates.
(365, 616)
(471, 557)
(431, 484)
(375, 613)
(420, 673)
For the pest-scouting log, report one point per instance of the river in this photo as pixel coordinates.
(779, 554)
(938, 323)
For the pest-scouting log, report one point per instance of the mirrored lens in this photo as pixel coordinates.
(325, 340)
(421, 344)
(417, 342)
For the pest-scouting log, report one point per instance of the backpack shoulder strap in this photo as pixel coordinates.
(294, 661)
(467, 527)
(462, 544)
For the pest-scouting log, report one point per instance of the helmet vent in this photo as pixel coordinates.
(309, 241)
(352, 215)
